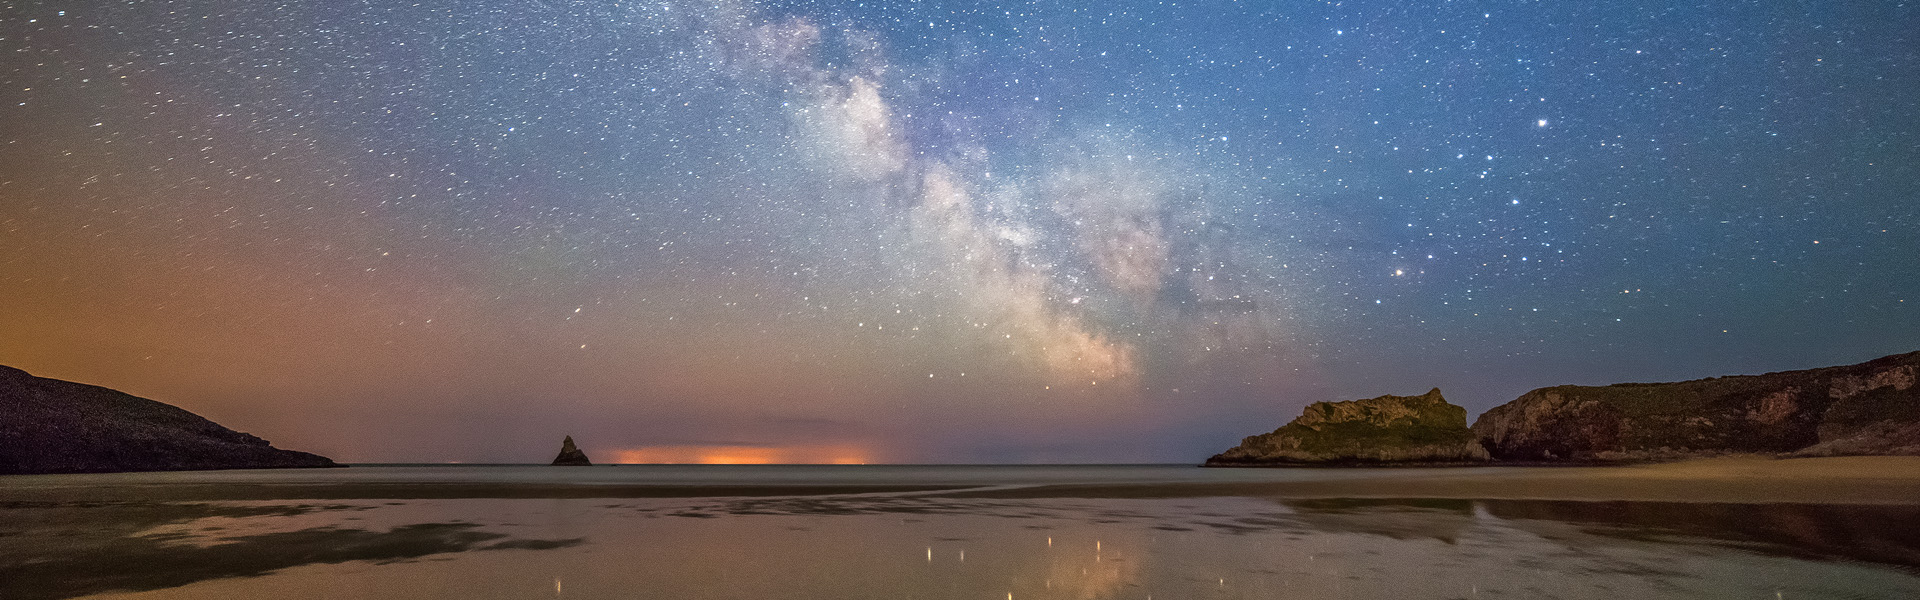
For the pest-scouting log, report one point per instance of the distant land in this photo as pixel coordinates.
(54, 426)
(1871, 408)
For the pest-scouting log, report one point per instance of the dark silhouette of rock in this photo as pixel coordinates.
(1383, 430)
(571, 456)
(54, 426)
(1868, 408)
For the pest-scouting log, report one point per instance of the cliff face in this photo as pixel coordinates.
(54, 426)
(1868, 408)
(1383, 430)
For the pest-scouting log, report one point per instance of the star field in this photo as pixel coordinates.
(924, 231)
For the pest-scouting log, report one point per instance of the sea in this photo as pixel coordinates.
(904, 532)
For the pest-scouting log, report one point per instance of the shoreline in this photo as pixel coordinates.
(1739, 479)
(1892, 480)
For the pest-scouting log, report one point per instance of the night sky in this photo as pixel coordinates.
(936, 232)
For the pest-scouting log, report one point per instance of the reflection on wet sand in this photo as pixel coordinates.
(1880, 534)
(1870, 533)
(66, 550)
(931, 547)
(1443, 520)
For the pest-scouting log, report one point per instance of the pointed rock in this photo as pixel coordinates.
(571, 456)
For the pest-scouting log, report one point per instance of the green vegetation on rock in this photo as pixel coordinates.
(1867, 408)
(1387, 429)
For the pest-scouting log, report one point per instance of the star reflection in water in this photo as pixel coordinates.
(923, 547)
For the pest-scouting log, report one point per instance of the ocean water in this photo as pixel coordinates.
(696, 475)
(961, 532)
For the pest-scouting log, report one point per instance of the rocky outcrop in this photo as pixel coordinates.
(571, 456)
(54, 426)
(1383, 430)
(1868, 408)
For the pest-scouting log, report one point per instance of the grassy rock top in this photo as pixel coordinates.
(1386, 429)
(1867, 408)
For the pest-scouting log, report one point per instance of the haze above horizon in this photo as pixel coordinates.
(935, 232)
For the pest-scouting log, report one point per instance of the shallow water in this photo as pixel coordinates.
(927, 545)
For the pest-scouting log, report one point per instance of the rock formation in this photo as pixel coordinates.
(1383, 430)
(571, 456)
(1868, 408)
(54, 426)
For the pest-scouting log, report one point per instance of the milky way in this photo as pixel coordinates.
(803, 231)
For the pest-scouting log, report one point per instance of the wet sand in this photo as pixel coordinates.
(1833, 480)
(1748, 527)
(956, 548)
(1836, 480)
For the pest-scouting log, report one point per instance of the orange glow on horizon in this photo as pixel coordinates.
(743, 455)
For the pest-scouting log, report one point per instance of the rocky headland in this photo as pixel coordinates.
(1872, 408)
(54, 426)
(1376, 431)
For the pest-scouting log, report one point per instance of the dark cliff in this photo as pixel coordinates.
(1868, 408)
(54, 426)
(1383, 430)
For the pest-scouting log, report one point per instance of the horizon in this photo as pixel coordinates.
(750, 454)
(935, 233)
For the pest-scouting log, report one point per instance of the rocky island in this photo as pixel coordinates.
(571, 456)
(54, 426)
(1871, 408)
(1376, 431)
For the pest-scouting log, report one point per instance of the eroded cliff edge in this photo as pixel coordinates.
(1383, 430)
(1867, 408)
(54, 426)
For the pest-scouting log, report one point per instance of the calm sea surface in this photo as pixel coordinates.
(901, 532)
(967, 475)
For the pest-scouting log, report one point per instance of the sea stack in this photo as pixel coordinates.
(1422, 429)
(54, 426)
(571, 456)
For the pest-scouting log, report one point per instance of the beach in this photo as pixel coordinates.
(1837, 480)
(1756, 479)
(1739, 527)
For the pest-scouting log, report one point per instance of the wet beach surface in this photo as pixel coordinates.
(986, 533)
